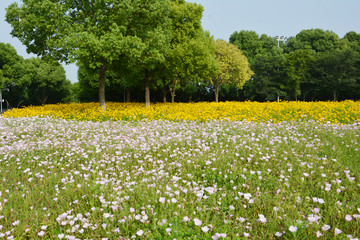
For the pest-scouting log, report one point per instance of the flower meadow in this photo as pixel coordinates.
(161, 179)
(335, 112)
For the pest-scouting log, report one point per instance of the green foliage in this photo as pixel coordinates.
(251, 44)
(338, 71)
(233, 65)
(268, 81)
(297, 66)
(98, 33)
(313, 39)
(31, 81)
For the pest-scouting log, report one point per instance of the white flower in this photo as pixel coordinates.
(41, 233)
(325, 227)
(318, 233)
(173, 200)
(197, 222)
(247, 196)
(61, 236)
(140, 232)
(337, 231)
(348, 218)
(205, 229)
(16, 223)
(246, 234)
(292, 229)
(186, 219)
(162, 199)
(43, 227)
(219, 235)
(132, 210)
(262, 218)
(168, 230)
(278, 234)
(103, 225)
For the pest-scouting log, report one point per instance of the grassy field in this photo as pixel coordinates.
(70, 179)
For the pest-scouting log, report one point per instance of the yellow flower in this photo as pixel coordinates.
(335, 112)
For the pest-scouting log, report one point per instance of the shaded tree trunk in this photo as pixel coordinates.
(128, 91)
(335, 95)
(164, 97)
(147, 88)
(216, 93)
(102, 84)
(164, 92)
(44, 98)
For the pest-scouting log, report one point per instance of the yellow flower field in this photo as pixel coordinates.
(335, 112)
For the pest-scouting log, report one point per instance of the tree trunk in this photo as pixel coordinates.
(164, 92)
(335, 96)
(216, 93)
(128, 90)
(44, 96)
(44, 99)
(164, 97)
(147, 89)
(172, 88)
(102, 84)
(173, 95)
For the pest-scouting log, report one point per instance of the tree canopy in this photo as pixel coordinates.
(98, 33)
(233, 67)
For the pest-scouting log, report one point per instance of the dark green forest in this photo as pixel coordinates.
(126, 51)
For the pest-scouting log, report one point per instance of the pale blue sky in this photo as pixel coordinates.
(271, 17)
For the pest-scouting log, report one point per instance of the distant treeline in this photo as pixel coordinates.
(315, 65)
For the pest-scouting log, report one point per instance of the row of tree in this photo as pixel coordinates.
(31, 81)
(313, 65)
(124, 48)
(160, 42)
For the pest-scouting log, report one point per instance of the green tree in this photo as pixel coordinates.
(48, 82)
(186, 34)
(338, 70)
(267, 83)
(297, 67)
(251, 44)
(233, 67)
(97, 33)
(12, 77)
(352, 39)
(190, 61)
(313, 39)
